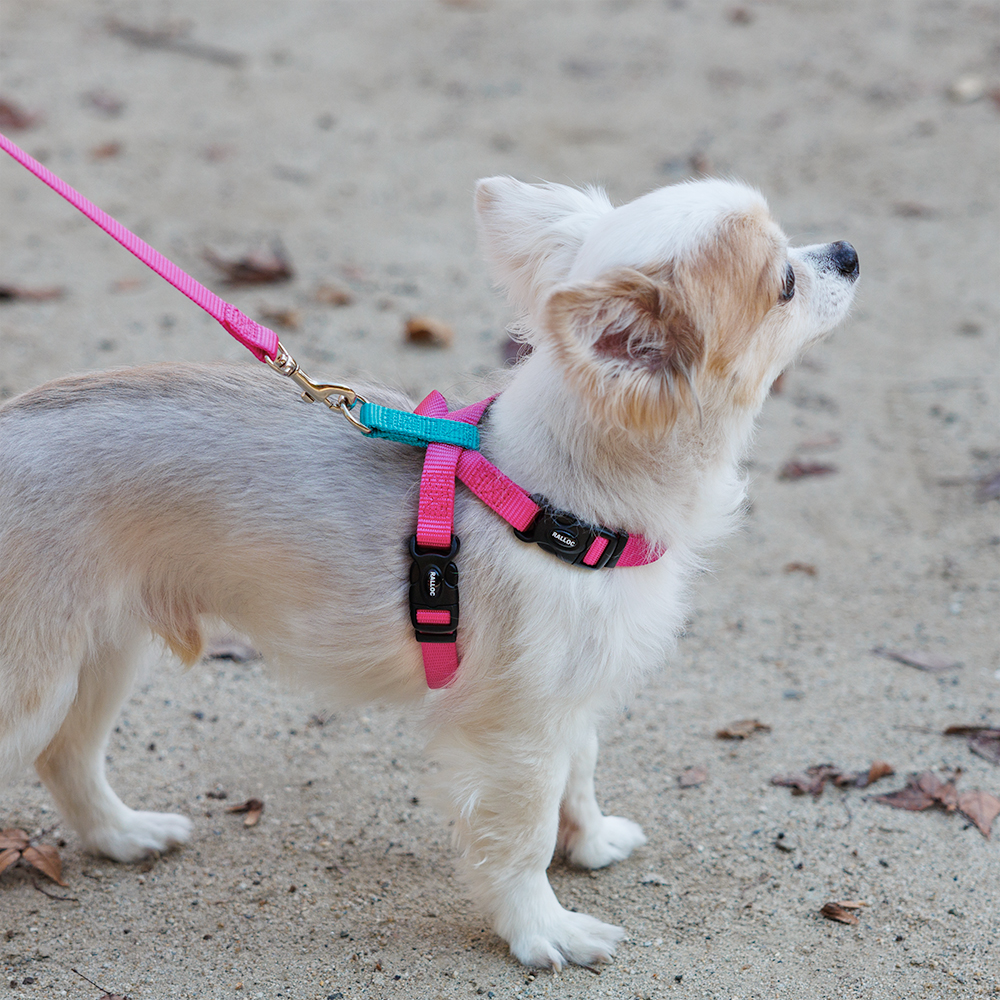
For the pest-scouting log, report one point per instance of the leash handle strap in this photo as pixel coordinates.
(261, 341)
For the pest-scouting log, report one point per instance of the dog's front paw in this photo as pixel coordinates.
(566, 937)
(137, 835)
(602, 843)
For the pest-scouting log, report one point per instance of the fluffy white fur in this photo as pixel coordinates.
(147, 501)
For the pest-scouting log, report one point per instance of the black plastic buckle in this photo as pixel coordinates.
(434, 587)
(567, 537)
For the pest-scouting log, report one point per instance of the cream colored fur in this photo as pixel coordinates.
(143, 502)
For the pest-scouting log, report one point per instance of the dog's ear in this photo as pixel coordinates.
(530, 233)
(629, 343)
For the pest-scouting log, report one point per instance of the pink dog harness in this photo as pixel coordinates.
(452, 443)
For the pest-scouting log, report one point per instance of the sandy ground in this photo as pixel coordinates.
(353, 132)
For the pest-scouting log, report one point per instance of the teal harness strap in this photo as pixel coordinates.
(412, 428)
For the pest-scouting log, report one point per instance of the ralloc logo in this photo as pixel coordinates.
(564, 540)
(433, 583)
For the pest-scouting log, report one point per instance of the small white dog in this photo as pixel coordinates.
(151, 500)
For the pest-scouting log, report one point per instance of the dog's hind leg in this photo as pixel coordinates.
(72, 765)
(588, 837)
(506, 787)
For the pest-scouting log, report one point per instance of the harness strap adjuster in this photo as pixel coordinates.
(434, 592)
(571, 539)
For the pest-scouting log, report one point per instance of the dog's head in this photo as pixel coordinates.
(686, 298)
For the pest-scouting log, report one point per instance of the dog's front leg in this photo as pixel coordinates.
(588, 837)
(506, 787)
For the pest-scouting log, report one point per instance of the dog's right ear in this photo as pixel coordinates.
(530, 233)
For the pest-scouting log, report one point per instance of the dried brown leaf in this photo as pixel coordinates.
(692, 777)
(334, 295)
(13, 117)
(14, 293)
(837, 911)
(261, 267)
(741, 729)
(943, 792)
(15, 838)
(986, 745)
(287, 319)
(253, 809)
(981, 807)
(46, 859)
(799, 567)
(795, 469)
(879, 769)
(8, 856)
(429, 331)
(106, 151)
(915, 658)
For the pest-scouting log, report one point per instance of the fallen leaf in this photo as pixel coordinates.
(334, 295)
(794, 469)
(126, 284)
(981, 807)
(288, 319)
(253, 809)
(800, 567)
(13, 117)
(262, 267)
(429, 331)
(741, 729)
(692, 777)
(45, 858)
(106, 151)
(13, 293)
(16, 839)
(838, 912)
(8, 856)
(926, 789)
(914, 658)
(15, 845)
(814, 779)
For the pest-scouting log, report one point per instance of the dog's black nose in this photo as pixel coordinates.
(845, 259)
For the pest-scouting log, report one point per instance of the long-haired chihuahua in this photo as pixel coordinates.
(147, 502)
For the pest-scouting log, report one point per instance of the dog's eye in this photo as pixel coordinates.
(788, 289)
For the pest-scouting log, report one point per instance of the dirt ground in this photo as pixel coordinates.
(353, 133)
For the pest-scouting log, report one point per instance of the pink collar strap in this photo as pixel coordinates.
(434, 603)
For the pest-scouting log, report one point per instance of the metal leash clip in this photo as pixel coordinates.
(337, 397)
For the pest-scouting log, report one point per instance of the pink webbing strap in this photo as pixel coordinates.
(256, 338)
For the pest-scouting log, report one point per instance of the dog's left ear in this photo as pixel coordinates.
(629, 343)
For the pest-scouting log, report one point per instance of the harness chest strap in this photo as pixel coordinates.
(434, 602)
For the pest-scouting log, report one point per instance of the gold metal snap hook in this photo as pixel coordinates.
(337, 397)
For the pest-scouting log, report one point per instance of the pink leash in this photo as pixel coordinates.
(434, 546)
(256, 338)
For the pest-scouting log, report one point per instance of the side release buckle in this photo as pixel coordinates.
(434, 592)
(569, 538)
